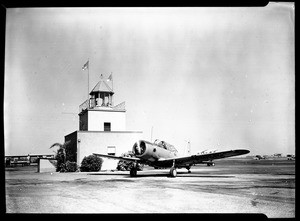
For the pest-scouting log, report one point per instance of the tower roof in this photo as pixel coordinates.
(102, 86)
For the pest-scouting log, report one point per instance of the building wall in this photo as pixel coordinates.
(89, 142)
(72, 150)
(96, 120)
(46, 165)
(83, 121)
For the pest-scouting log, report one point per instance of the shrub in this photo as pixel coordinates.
(91, 163)
(67, 167)
(126, 165)
(71, 166)
(60, 166)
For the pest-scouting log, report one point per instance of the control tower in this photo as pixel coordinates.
(102, 127)
(99, 114)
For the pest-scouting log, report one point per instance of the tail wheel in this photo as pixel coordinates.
(210, 164)
(173, 172)
(188, 168)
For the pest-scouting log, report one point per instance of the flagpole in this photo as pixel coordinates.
(112, 81)
(88, 82)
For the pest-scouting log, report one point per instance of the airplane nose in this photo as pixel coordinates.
(136, 148)
(139, 147)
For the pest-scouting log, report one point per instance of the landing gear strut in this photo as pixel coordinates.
(173, 171)
(188, 168)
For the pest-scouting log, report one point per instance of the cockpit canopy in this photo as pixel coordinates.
(165, 145)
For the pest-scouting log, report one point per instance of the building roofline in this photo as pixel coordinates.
(98, 85)
(106, 132)
(103, 110)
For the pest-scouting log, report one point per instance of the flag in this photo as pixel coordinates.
(109, 78)
(86, 65)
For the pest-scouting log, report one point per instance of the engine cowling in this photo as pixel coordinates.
(139, 148)
(150, 151)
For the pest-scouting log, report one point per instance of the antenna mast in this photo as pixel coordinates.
(151, 132)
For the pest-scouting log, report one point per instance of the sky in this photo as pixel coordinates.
(221, 78)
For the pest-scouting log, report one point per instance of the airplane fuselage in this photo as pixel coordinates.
(152, 152)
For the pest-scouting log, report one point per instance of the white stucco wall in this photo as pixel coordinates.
(96, 120)
(89, 142)
(46, 165)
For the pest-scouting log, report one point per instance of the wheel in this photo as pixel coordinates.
(188, 168)
(210, 164)
(173, 172)
(133, 172)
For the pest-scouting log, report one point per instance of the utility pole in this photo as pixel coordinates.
(188, 149)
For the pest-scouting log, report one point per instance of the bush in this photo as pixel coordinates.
(60, 166)
(91, 163)
(67, 167)
(71, 166)
(126, 165)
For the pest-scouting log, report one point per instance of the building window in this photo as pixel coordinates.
(111, 150)
(106, 126)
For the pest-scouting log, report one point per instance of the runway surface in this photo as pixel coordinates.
(232, 186)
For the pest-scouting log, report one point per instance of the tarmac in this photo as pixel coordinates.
(232, 186)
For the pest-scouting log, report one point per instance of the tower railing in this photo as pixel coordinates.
(91, 103)
(120, 106)
(84, 105)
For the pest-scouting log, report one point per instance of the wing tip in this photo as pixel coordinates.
(242, 151)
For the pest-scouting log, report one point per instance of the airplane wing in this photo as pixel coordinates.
(133, 159)
(202, 158)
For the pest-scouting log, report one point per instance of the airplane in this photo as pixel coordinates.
(290, 157)
(259, 157)
(161, 154)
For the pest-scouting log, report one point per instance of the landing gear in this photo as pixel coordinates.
(188, 168)
(210, 164)
(133, 170)
(173, 172)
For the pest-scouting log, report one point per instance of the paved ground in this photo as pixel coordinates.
(232, 186)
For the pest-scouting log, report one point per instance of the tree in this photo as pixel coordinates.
(65, 157)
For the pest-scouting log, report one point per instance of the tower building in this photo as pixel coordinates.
(102, 127)
(99, 114)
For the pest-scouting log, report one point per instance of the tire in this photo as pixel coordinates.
(173, 172)
(133, 172)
